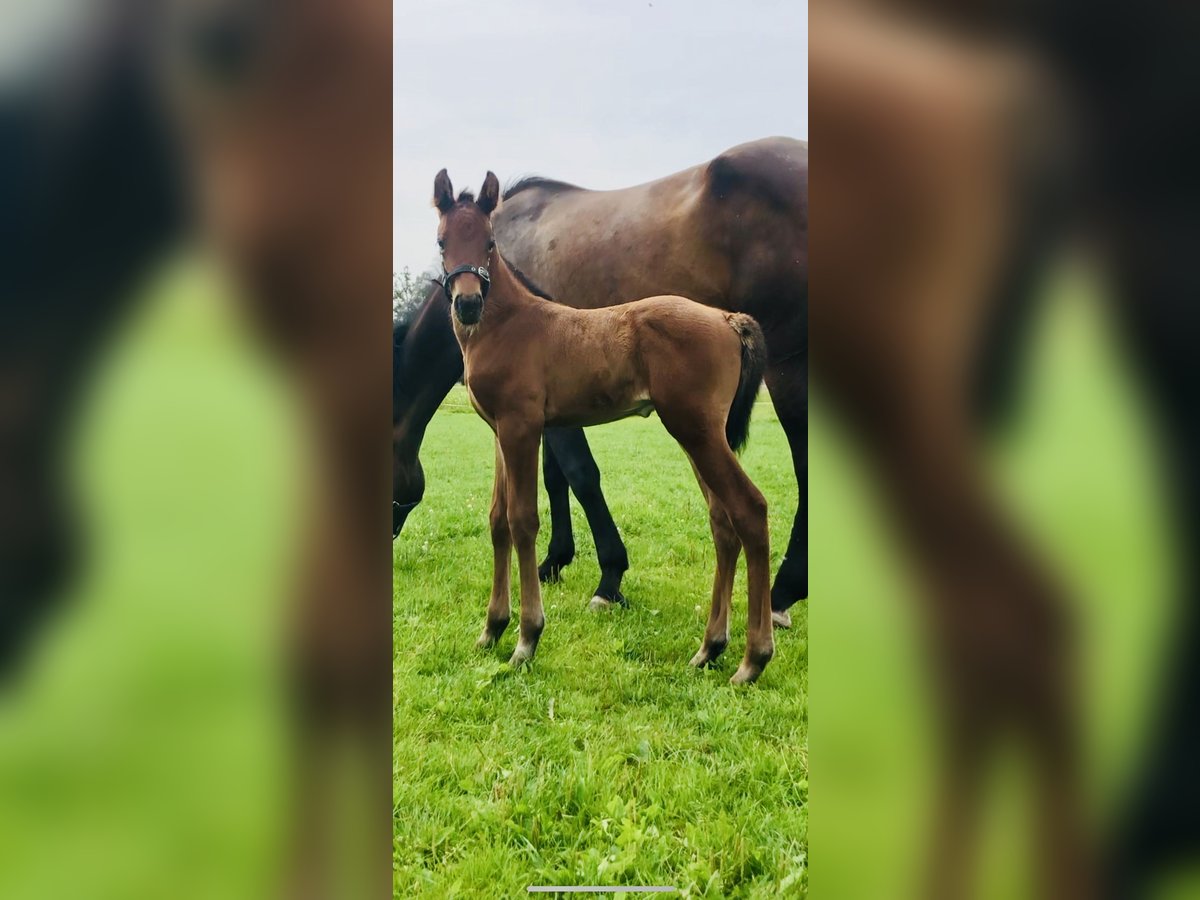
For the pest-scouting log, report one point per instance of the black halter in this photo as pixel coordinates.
(480, 272)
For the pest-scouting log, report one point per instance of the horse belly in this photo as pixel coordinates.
(599, 408)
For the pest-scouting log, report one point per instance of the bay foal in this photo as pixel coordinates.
(529, 363)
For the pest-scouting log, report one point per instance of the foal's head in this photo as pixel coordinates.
(467, 244)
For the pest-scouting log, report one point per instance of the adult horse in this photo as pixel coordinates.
(731, 233)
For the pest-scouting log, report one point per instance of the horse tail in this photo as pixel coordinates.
(754, 363)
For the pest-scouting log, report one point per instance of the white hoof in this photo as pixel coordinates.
(599, 604)
(781, 619)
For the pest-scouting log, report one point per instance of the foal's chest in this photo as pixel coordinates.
(476, 404)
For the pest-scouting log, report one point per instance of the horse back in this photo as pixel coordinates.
(730, 233)
(772, 172)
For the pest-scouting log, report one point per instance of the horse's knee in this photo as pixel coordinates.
(724, 534)
(583, 475)
(750, 520)
(498, 520)
(523, 524)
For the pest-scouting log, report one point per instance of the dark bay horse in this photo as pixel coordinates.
(699, 368)
(731, 233)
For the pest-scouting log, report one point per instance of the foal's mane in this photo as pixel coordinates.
(526, 282)
(537, 181)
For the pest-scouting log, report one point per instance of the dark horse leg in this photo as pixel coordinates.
(561, 551)
(788, 384)
(569, 462)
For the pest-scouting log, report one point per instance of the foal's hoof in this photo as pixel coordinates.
(781, 618)
(521, 655)
(707, 655)
(752, 666)
(746, 674)
(492, 630)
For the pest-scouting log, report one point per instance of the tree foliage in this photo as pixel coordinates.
(408, 293)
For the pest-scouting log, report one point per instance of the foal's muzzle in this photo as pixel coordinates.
(469, 309)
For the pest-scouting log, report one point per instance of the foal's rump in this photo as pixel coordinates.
(695, 357)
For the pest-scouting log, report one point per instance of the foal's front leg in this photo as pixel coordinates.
(499, 605)
(519, 448)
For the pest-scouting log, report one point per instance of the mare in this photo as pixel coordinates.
(698, 367)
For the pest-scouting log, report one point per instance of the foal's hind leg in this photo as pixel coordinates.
(729, 548)
(747, 511)
(499, 605)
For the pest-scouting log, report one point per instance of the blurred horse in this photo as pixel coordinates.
(90, 199)
(286, 111)
(916, 209)
(972, 214)
(273, 122)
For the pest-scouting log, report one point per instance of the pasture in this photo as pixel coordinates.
(609, 760)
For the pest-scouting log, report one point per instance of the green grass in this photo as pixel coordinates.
(609, 760)
(142, 753)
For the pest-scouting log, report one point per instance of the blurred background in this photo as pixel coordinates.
(185, 610)
(143, 744)
(1004, 509)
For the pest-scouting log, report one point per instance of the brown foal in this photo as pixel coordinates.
(529, 363)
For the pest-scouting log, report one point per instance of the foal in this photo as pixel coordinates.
(530, 363)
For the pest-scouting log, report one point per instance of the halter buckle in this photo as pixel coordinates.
(480, 272)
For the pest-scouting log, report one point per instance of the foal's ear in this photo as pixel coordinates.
(489, 194)
(443, 192)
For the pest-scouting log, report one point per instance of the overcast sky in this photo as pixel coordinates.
(603, 94)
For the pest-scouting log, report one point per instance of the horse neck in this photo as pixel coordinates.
(513, 292)
(507, 300)
(507, 296)
(430, 364)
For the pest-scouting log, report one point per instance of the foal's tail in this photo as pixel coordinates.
(754, 363)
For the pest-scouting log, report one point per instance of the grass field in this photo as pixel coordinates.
(609, 761)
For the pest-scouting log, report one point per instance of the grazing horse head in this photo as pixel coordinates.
(466, 243)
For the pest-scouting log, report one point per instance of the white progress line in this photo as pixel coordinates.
(599, 889)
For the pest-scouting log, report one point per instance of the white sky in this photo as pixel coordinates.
(603, 94)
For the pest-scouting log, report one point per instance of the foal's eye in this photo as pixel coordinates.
(491, 246)
(442, 245)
